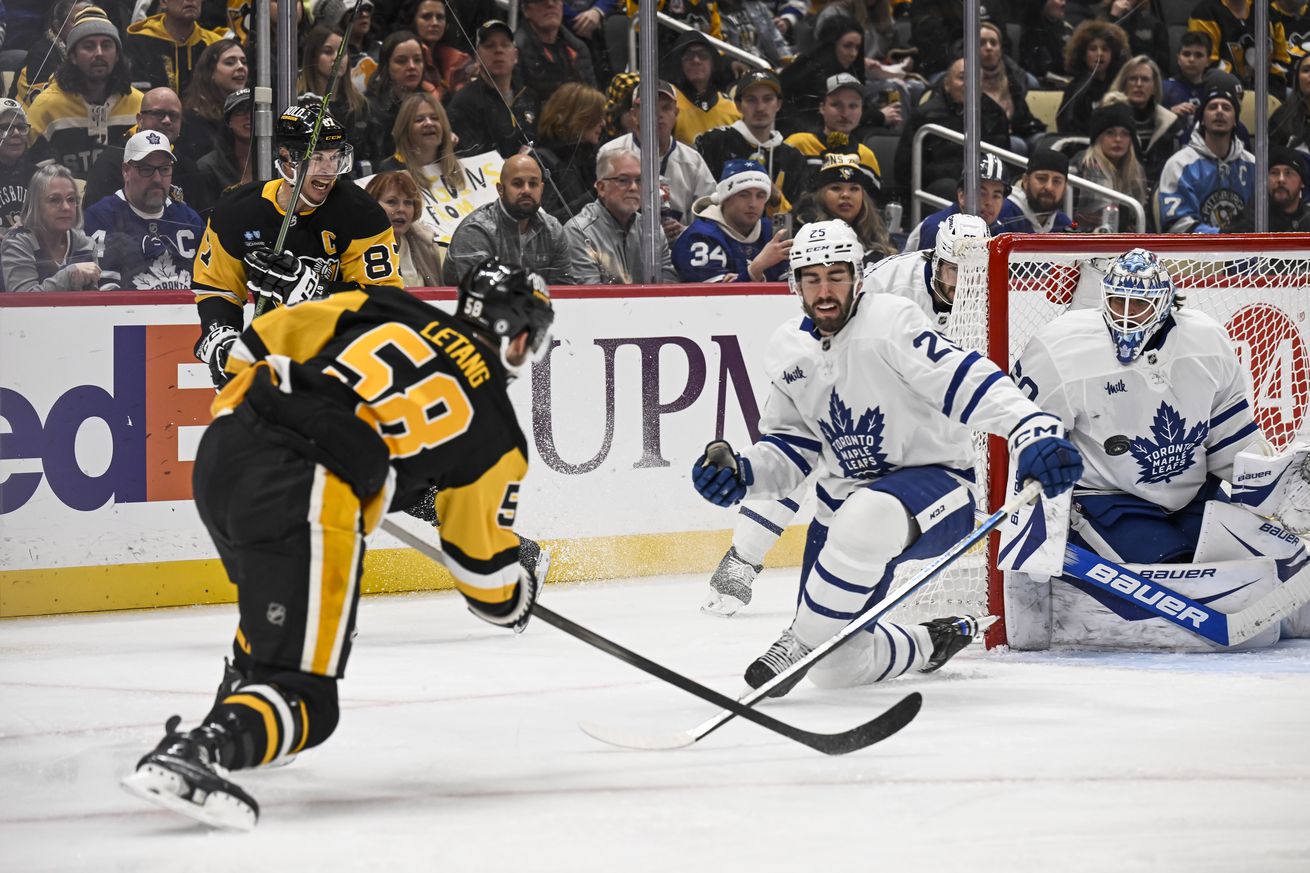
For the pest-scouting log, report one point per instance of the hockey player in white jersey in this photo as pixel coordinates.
(1159, 410)
(925, 277)
(866, 391)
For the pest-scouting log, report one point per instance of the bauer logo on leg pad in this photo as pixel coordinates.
(1141, 590)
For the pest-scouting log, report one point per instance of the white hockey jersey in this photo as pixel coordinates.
(905, 275)
(885, 393)
(1153, 428)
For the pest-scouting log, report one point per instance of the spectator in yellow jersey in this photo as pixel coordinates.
(701, 105)
(841, 111)
(91, 101)
(164, 48)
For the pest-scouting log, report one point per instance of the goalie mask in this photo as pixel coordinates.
(333, 155)
(1137, 296)
(947, 251)
(500, 300)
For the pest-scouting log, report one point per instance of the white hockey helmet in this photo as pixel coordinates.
(826, 242)
(1144, 294)
(947, 250)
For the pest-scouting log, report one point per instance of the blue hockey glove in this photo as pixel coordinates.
(1052, 461)
(721, 476)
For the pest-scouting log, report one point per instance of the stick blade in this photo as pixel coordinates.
(626, 739)
(873, 731)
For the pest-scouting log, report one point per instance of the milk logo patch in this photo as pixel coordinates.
(857, 445)
(1172, 451)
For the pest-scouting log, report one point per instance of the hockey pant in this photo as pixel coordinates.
(290, 535)
(849, 563)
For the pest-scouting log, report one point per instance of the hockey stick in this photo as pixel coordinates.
(856, 738)
(1224, 629)
(265, 300)
(869, 616)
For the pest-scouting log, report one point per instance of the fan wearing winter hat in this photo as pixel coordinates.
(1287, 209)
(90, 102)
(1034, 207)
(730, 239)
(1208, 182)
(1111, 161)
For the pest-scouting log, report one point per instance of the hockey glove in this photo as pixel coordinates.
(721, 476)
(1053, 461)
(213, 348)
(283, 277)
(525, 597)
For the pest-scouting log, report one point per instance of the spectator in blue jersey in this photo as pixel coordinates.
(1034, 206)
(16, 165)
(992, 190)
(1206, 185)
(730, 239)
(147, 239)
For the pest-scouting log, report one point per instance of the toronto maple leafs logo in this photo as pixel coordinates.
(1173, 449)
(857, 445)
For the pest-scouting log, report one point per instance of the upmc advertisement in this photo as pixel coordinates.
(103, 406)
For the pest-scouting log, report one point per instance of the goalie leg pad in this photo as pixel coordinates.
(1027, 611)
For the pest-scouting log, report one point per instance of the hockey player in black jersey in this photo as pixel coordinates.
(339, 235)
(340, 409)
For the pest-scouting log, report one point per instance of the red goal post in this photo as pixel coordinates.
(1256, 285)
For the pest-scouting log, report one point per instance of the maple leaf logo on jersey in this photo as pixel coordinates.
(1173, 449)
(857, 445)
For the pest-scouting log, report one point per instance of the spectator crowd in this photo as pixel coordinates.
(126, 121)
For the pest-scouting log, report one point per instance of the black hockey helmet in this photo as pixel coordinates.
(501, 299)
(295, 128)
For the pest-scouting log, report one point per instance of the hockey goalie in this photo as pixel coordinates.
(1160, 410)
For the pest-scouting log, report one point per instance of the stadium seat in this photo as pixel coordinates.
(1248, 108)
(1043, 105)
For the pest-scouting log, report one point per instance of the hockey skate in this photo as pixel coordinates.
(730, 586)
(179, 775)
(781, 655)
(950, 635)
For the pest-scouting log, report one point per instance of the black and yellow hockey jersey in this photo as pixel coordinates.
(434, 393)
(1232, 42)
(72, 133)
(348, 240)
(160, 60)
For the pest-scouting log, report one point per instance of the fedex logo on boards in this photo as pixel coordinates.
(144, 409)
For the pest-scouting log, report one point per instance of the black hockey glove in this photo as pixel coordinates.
(721, 476)
(213, 347)
(281, 276)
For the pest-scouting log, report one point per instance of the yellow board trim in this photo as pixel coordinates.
(262, 707)
(65, 590)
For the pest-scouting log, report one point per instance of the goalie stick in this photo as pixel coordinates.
(682, 739)
(1218, 627)
(872, 731)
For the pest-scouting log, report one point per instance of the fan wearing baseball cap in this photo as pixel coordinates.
(16, 164)
(90, 102)
(149, 239)
(731, 239)
(495, 111)
(758, 95)
(841, 109)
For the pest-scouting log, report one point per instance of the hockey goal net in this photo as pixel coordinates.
(1257, 286)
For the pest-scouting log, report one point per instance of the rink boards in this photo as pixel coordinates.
(103, 406)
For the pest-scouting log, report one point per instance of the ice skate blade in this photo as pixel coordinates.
(165, 788)
(721, 605)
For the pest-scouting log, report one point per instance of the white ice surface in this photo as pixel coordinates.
(458, 751)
